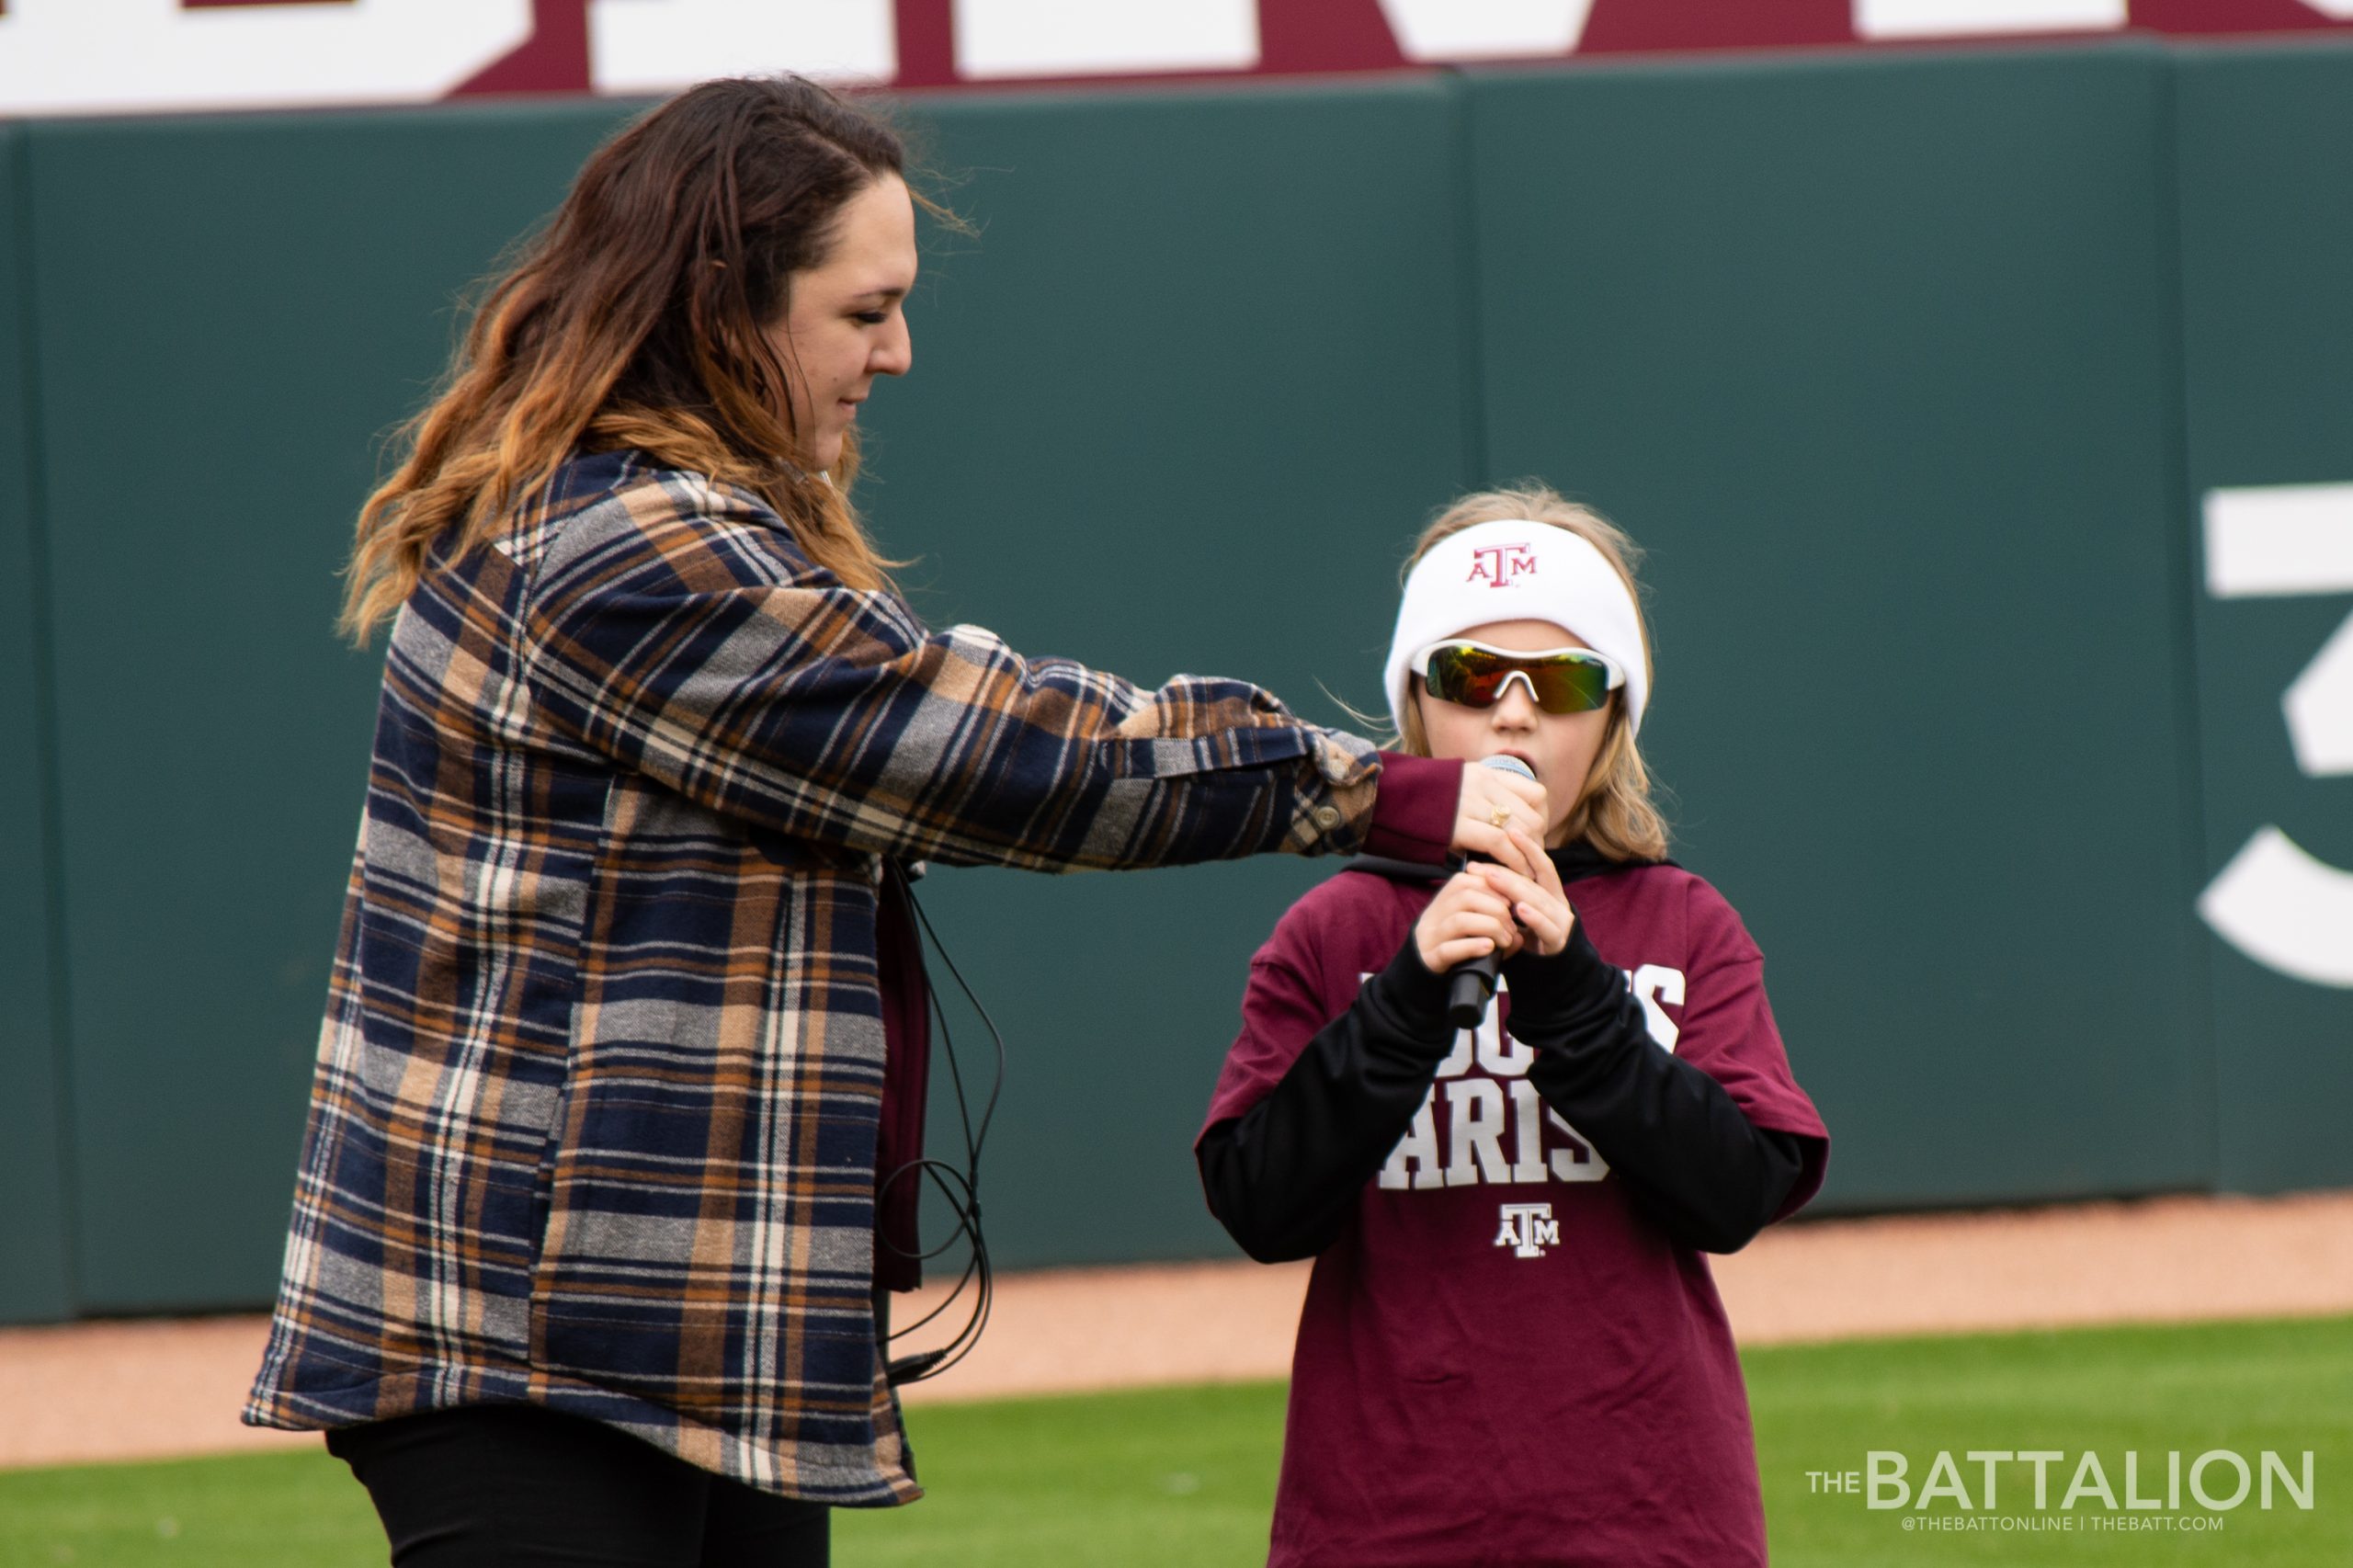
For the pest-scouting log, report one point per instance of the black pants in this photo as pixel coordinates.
(512, 1483)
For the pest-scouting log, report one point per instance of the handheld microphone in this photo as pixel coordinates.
(1472, 985)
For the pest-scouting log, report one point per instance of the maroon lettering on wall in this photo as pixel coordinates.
(1620, 26)
(1298, 37)
(2230, 16)
(1314, 37)
(554, 59)
(927, 33)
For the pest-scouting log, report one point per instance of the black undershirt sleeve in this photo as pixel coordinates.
(1693, 1161)
(1283, 1177)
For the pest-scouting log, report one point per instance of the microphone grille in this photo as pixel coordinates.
(1508, 765)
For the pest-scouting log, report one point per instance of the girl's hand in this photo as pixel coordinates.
(1489, 793)
(1537, 902)
(1467, 918)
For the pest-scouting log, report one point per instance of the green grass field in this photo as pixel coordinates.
(1165, 1478)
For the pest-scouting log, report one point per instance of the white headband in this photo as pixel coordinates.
(1517, 570)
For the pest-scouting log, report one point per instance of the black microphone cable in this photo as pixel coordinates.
(960, 1189)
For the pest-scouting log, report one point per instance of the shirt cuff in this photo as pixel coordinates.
(1563, 998)
(1414, 807)
(1413, 994)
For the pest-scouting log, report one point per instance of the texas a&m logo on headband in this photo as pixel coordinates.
(1498, 565)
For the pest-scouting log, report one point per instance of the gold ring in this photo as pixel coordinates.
(1499, 817)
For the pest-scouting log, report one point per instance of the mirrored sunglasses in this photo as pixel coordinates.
(1561, 680)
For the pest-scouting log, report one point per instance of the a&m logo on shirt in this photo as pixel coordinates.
(1528, 1229)
(1498, 564)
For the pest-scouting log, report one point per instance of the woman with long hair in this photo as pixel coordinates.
(624, 1043)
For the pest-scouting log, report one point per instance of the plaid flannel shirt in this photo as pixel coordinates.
(594, 1111)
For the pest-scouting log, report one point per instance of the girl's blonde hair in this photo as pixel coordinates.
(1614, 814)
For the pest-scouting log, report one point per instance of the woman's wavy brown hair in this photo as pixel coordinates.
(634, 320)
(1614, 814)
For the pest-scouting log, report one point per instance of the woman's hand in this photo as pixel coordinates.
(1468, 918)
(1537, 902)
(1492, 802)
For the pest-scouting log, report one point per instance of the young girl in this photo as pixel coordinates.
(1512, 1351)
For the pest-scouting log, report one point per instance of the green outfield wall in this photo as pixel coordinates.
(1878, 363)
(34, 1282)
(1915, 375)
(2266, 164)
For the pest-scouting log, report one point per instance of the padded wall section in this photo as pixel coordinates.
(34, 1284)
(1179, 408)
(2265, 160)
(234, 312)
(1874, 356)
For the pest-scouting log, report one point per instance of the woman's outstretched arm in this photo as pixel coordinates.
(673, 628)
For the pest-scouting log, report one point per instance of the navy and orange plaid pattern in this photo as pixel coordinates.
(598, 1084)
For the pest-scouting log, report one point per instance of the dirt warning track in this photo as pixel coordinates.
(114, 1391)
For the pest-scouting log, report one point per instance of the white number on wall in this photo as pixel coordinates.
(2275, 902)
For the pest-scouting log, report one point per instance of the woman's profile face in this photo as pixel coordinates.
(1559, 747)
(845, 323)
